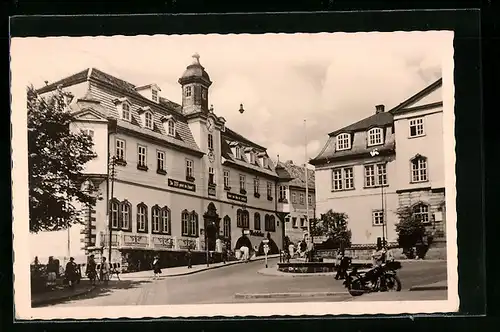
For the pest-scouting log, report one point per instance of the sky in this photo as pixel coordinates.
(328, 79)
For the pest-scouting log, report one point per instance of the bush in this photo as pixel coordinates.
(412, 234)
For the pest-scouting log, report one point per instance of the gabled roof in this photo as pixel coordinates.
(381, 119)
(232, 135)
(416, 97)
(296, 175)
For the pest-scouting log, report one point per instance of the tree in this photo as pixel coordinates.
(334, 226)
(411, 233)
(56, 159)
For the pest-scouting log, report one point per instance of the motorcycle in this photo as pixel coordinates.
(382, 278)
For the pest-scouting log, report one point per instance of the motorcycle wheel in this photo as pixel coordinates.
(393, 283)
(355, 288)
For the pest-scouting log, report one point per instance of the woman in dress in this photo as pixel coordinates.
(156, 267)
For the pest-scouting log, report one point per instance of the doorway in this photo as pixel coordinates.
(211, 221)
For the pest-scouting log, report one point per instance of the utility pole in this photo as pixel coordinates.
(110, 228)
(307, 182)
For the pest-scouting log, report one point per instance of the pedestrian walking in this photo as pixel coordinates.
(51, 272)
(70, 272)
(189, 256)
(342, 265)
(104, 271)
(156, 267)
(91, 270)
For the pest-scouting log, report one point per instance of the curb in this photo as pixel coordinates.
(61, 298)
(428, 288)
(295, 275)
(286, 295)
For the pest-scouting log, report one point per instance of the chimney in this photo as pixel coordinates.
(379, 109)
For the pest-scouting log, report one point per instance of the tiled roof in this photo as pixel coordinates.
(70, 80)
(437, 84)
(297, 174)
(232, 135)
(381, 119)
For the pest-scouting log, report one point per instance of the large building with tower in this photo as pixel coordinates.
(387, 161)
(183, 179)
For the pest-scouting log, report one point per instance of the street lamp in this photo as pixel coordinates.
(266, 248)
(375, 153)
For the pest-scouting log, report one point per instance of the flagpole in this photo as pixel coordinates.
(307, 181)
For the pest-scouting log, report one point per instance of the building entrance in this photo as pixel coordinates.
(211, 223)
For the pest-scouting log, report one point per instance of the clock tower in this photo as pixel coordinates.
(195, 83)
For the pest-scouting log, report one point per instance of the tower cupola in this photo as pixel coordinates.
(195, 83)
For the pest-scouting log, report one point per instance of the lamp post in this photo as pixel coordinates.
(375, 153)
(266, 248)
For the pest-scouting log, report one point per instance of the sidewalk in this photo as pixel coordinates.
(429, 295)
(437, 286)
(183, 270)
(61, 294)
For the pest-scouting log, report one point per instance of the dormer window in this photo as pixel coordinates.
(171, 128)
(154, 95)
(265, 162)
(148, 120)
(375, 136)
(252, 158)
(126, 112)
(188, 91)
(238, 152)
(343, 142)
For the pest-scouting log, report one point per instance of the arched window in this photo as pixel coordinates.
(115, 219)
(171, 128)
(419, 169)
(165, 220)
(270, 223)
(242, 218)
(155, 219)
(421, 212)
(148, 120)
(185, 222)
(256, 221)
(142, 218)
(343, 142)
(126, 111)
(193, 224)
(375, 136)
(226, 229)
(125, 211)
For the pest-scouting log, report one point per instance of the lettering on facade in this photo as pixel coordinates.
(236, 197)
(211, 191)
(181, 185)
(256, 233)
(135, 240)
(163, 242)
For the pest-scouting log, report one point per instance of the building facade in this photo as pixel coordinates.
(170, 177)
(292, 199)
(374, 167)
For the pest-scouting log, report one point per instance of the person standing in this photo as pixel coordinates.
(156, 267)
(91, 270)
(51, 271)
(291, 250)
(188, 258)
(70, 272)
(224, 253)
(104, 272)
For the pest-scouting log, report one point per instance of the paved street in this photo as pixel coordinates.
(220, 285)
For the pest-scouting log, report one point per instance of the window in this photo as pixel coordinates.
(265, 162)
(226, 229)
(375, 136)
(120, 149)
(270, 223)
(242, 182)
(342, 179)
(171, 128)
(142, 216)
(242, 218)
(141, 155)
(165, 220)
(154, 95)
(185, 222)
(125, 215)
(301, 198)
(421, 213)
(114, 214)
(375, 175)
(294, 222)
(210, 141)
(309, 199)
(256, 185)
(378, 217)
(160, 160)
(294, 198)
(189, 168)
(302, 222)
(256, 221)
(282, 193)
(269, 189)
(88, 132)
(226, 179)
(211, 175)
(252, 158)
(188, 91)
(238, 152)
(126, 112)
(193, 224)
(343, 142)
(155, 216)
(148, 120)
(204, 94)
(417, 127)
(419, 169)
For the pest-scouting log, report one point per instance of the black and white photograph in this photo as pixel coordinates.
(234, 175)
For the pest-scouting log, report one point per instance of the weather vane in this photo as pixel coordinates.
(241, 109)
